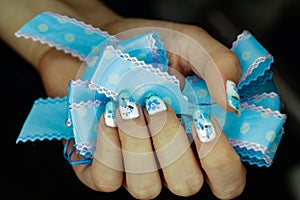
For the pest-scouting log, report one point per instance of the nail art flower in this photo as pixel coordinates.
(111, 114)
(204, 127)
(128, 107)
(153, 105)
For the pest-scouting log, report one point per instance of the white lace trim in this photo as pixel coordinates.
(254, 65)
(249, 145)
(86, 104)
(142, 64)
(268, 111)
(50, 43)
(86, 148)
(152, 44)
(83, 25)
(93, 86)
(261, 96)
(240, 37)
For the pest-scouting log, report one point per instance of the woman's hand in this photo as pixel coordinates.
(142, 146)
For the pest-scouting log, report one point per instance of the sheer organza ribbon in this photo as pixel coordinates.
(139, 64)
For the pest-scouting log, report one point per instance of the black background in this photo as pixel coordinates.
(37, 170)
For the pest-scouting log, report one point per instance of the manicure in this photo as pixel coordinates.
(127, 106)
(153, 103)
(204, 127)
(109, 114)
(233, 97)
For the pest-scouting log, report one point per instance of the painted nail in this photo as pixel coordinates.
(233, 96)
(109, 114)
(153, 103)
(204, 127)
(128, 107)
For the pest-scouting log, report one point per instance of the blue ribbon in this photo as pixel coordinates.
(255, 134)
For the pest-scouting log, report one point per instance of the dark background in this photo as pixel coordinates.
(37, 170)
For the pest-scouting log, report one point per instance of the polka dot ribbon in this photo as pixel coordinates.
(140, 65)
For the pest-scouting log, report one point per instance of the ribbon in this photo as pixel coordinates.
(139, 64)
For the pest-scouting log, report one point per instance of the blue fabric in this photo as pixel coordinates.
(139, 64)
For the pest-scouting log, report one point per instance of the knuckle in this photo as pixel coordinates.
(145, 190)
(231, 191)
(107, 183)
(188, 187)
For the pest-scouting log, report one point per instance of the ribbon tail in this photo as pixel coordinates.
(64, 33)
(46, 121)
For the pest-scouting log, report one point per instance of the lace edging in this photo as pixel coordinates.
(42, 137)
(83, 25)
(93, 86)
(50, 43)
(261, 109)
(253, 66)
(143, 65)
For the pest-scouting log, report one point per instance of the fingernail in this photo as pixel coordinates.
(128, 107)
(109, 114)
(233, 96)
(204, 127)
(153, 103)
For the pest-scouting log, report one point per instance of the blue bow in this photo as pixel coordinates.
(255, 134)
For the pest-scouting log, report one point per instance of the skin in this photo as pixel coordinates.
(221, 167)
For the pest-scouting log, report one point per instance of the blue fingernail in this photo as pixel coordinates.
(127, 106)
(233, 96)
(153, 103)
(204, 127)
(109, 114)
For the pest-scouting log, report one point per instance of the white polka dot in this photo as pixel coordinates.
(273, 148)
(246, 55)
(168, 100)
(96, 128)
(140, 91)
(114, 78)
(221, 121)
(160, 80)
(43, 28)
(265, 115)
(88, 31)
(247, 36)
(121, 48)
(108, 55)
(69, 37)
(141, 56)
(191, 111)
(82, 112)
(134, 67)
(92, 63)
(61, 20)
(95, 50)
(257, 100)
(270, 136)
(244, 128)
(202, 93)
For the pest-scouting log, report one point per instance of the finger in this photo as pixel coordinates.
(107, 166)
(191, 49)
(179, 165)
(142, 176)
(105, 174)
(82, 171)
(224, 170)
(208, 58)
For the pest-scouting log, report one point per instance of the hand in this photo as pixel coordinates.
(222, 167)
